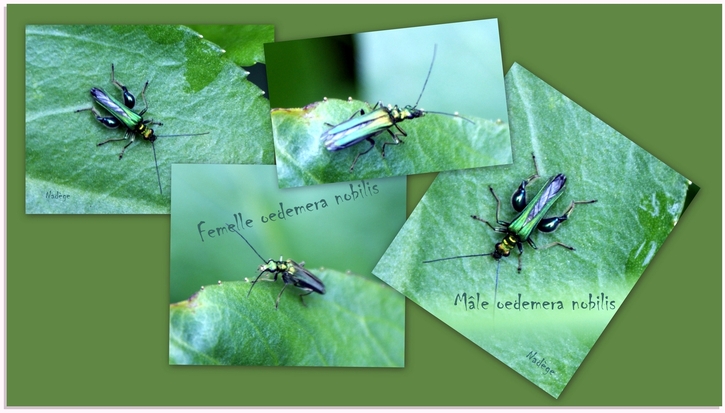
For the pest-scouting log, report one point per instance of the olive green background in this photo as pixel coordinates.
(87, 310)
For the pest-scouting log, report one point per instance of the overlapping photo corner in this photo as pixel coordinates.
(329, 127)
(197, 83)
(325, 307)
(547, 317)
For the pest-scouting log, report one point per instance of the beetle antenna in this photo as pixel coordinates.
(157, 168)
(183, 134)
(435, 46)
(450, 114)
(458, 256)
(255, 281)
(230, 226)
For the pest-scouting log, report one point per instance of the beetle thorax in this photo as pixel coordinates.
(410, 112)
(503, 248)
(271, 266)
(146, 132)
(394, 112)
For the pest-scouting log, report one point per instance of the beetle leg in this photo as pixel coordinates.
(276, 304)
(143, 96)
(133, 138)
(125, 137)
(152, 122)
(518, 199)
(552, 223)
(111, 140)
(361, 112)
(498, 207)
(536, 169)
(107, 121)
(553, 244)
(399, 129)
(372, 145)
(257, 280)
(396, 139)
(477, 218)
(302, 295)
(128, 99)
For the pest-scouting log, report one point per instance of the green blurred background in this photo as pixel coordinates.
(87, 310)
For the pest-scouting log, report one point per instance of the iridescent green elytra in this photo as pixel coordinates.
(531, 216)
(123, 115)
(378, 120)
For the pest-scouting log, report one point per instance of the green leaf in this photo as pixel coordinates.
(434, 143)
(244, 44)
(191, 90)
(640, 199)
(356, 323)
